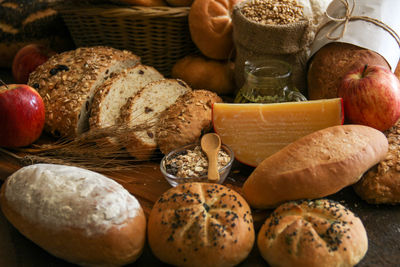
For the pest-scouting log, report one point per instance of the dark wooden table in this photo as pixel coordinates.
(382, 222)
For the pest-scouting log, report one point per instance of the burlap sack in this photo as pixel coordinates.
(285, 42)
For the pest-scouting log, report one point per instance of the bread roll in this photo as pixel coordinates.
(316, 165)
(75, 214)
(180, 2)
(201, 224)
(329, 65)
(381, 184)
(186, 120)
(397, 71)
(210, 27)
(312, 233)
(202, 73)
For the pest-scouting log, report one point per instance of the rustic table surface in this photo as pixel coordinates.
(382, 222)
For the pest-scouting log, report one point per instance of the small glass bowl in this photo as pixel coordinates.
(174, 181)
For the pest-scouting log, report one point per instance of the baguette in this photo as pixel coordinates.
(75, 214)
(317, 165)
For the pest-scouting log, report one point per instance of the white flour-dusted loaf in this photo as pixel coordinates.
(75, 214)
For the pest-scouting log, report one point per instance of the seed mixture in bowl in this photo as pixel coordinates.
(192, 163)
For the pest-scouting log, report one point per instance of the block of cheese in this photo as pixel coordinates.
(256, 131)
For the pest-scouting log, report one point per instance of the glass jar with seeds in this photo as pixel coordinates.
(268, 81)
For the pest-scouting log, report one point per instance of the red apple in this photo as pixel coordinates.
(22, 115)
(27, 59)
(371, 96)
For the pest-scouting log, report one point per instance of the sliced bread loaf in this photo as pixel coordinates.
(68, 81)
(114, 93)
(146, 107)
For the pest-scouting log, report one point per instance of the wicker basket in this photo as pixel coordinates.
(159, 35)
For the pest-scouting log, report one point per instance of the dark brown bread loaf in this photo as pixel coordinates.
(381, 184)
(329, 65)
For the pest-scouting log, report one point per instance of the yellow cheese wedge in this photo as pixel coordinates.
(256, 131)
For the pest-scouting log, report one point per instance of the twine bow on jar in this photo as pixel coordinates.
(344, 21)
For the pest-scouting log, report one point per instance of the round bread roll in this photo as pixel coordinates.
(75, 214)
(201, 224)
(381, 184)
(180, 2)
(186, 120)
(312, 233)
(210, 27)
(329, 65)
(202, 73)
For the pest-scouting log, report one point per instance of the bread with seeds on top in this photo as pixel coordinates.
(68, 81)
(114, 93)
(312, 233)
(145, 108)
(201, 224)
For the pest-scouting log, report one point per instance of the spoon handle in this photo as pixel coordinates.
(213, 174)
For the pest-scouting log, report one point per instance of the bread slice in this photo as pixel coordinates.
(145, 108)
(114, 93)
(68, 81)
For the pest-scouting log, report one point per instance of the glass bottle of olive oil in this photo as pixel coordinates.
(268, 81)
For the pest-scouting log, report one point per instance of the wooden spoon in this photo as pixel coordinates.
(210, 144)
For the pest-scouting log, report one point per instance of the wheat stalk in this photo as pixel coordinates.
(100, 150)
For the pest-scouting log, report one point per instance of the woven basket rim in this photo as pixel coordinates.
(118, 11)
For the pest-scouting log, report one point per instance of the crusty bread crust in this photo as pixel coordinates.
(201, 224)
(381, 184)
(186, 120)
(316, 165)
(120, 244)
(68, 81)
(329, 65)
(312, 234)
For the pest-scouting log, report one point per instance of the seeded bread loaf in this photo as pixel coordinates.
(381, 184)
(146, 107)
(75, 214)
(312, 234)
(201, 224)
(68, 81)
(114, 93)
(316, 165)
(186, 120)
